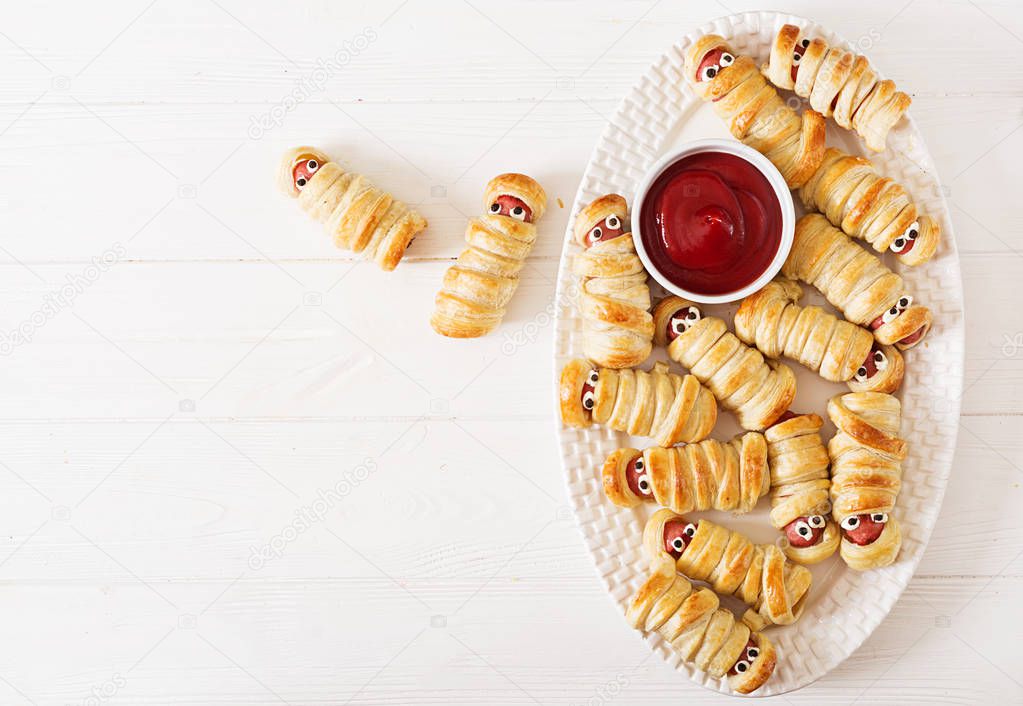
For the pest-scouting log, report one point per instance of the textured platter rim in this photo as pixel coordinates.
(927, 396)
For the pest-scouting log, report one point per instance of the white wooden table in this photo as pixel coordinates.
(238, 466)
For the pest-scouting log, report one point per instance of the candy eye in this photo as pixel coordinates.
(693, 315)
(879, 517)
(816, 521)
(678, 326)
(300, 182)
(678, 544)
(851, 522)
(726, 60)
(588, 399)
(805, 43)
(639, 465)
(312, 165)
(861, 374)
(752, 653)
(796, 58)
(592, 377)
(518, 213)
(880, 360)
(741, 667)
(709, 72)
(904, 302)
(913, 231)
(898, 245)
(890, 315)
(596, 233)
(495, 207)
(613, 222)
(690, 530)
(803, 529)
(644, 484)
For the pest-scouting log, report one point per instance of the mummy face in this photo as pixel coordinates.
(678, 534)
(876, 362)
(797, 55)
(506, 205)
(608, 229)
(302, 172)
(805, 531)
(903, 303)
(683, 320)
(638, 479)
(864, 529)
(905, 242)
(713, 63)
(589, 388)
(746, 659)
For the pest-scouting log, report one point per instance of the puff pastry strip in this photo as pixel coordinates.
(614, 299)
(838, 83)
(755, 113)
(709, 475)
(700, 631)
(866, 466)
(755, 390)
(856, 283)
(757, 574)
(800, 486)
(663, 406)
(836, 350)
(869, 207)
(356, 214)
(478, 287)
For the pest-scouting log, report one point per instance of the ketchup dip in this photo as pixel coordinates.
(711, 223)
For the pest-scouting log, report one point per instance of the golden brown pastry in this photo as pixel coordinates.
(709, 475)
(756, 115)
(867, 206)
(663, 406)
(478, 287)
(838, 83)
(836, 350)
(700, 631)
(356, 214)
(614, 299)
(755, 390)
(757, 574)
(800, 506)
(866, 465)
(856, 283)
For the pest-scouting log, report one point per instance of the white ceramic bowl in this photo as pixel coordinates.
(764, 166)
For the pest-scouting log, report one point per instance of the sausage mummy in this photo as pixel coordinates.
(755, 390)
(478, 287)
(757, 574)
(866, 464)
(755, 113)
(838, 83)
(869, 207)
(856, 283)
(356, 214)
(614, 300)
(800, 484)
(709, 475)
(836, 350)
(663, 406)
(700, 631)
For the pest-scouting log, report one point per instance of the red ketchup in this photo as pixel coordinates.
(711, 223)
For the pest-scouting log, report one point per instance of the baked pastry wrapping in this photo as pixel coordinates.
(759, 575)
(866, 475)
(478, 287)
(663, 406)
(800, 485)
(756, 115)
(357, 215)
(709, 475)
(757, 391)
(703, 633)
(875, 209)
(773, 321)
(838, 83)
(614, 299)
(856, 283)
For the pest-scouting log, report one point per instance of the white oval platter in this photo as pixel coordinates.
(845, 606)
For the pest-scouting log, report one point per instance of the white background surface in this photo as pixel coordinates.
(231, 366)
